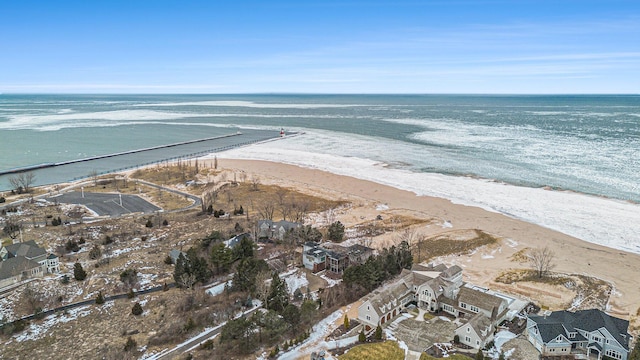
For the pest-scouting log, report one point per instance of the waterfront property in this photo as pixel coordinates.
(333, 257)
(586, 332)
(22, 261)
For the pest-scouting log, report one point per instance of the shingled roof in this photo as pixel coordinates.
(561, 322)
(478, 298)
(15, 266)
(28, 249)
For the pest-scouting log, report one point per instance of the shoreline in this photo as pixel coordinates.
(573, 255)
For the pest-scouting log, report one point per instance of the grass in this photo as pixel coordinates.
(428, 316)
(521, 256)
(444, 244)
(519, 275)
(6, 242)
(388, 350)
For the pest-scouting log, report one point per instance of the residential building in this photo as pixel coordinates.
(313, 257)
(333, 257)
(586, 332)
(22, 261)
(439, 288)
(477, 332)
(275, 230)
(231, 243)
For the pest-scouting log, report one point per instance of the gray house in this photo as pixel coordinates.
(586, 332)
(275, 230)
(25, 260)
(477, 332)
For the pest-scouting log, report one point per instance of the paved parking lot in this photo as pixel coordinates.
(105, 204)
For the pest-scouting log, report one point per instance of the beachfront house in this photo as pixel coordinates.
(439, 288)
(585, 332)
(332, 257)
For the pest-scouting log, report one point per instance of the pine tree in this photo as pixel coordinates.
(78, 272)
(346, 322)
(278, 297)
(361, 337)
(479, 355)
(100, 299)
(130, 344)
(136, 309)
(378, 333)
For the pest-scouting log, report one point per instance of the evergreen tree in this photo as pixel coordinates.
(221, 258)
(244, 249)
(501, 357)
(130, 344)
(479, 355)
(244, 278)
(78, 272)
(291, 314)
(361, 336)
(336, 232)
(181, 268)
(136, 309)
(278, 297)
(100, 299)
(378, 333)
(346, 322)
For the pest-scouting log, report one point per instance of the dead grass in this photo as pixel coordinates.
(454, 242)
(385, 350)
(174, 173)
(6, 242)
(424, 356)
(521, 256)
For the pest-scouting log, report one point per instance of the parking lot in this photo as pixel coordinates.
(106, 204)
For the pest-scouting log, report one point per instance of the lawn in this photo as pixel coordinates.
(451, 357)
(385, 350)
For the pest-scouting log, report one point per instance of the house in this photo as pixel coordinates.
(21, 261)
(586, 332)
(313, 257)
(477, 332)
(333, 257)
(437, 288)
(276, 230)
(175, 254)
(385, 303)
(231, 243)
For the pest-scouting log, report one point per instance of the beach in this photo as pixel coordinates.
(572, 255)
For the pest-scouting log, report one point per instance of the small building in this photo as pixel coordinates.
(22, 261)
(585, 332)
(53, 265)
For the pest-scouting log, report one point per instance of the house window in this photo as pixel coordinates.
(473, 308)
(477, 342)
(463, 305)
(468, 330)
(467, 339)
(572, 335)
(368, 308)
(596, 339)
(368, 318)
(613, 354)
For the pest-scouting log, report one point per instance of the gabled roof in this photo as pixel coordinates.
(15, 266)
(394, 291)
(478, 298)
(481, 325)
(28, 249)
(452, 271)
(586, 320)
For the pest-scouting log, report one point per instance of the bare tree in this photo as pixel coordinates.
(93, 174)
(266, 210)
(541, 260)
(22, 182)
(187, 280)
(12, 228)
(263, 285)
(255, 183)
(299, 209)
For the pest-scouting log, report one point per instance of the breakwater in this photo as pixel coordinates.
(71, 170)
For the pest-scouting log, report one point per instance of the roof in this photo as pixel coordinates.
(231, 243)
(481, 325)
(15, 266)
(394, 291)
(52, 256)
(28, 249)
(479, 299)
(452, 271)
(586, 320)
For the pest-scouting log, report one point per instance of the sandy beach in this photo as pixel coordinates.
(572, 255)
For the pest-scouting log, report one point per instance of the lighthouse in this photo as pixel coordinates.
(281, 132)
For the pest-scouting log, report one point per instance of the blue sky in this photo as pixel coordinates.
(559, 46)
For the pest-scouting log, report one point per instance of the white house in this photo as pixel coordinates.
(477, 332)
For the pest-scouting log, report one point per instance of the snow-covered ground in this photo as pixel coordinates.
(500, 339)
(316, 341)
(37, 330)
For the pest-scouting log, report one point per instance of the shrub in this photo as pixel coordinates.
(71, 245)
(165, 223)
(131, 344)
(64, 280)
(100, 299)
(136, 309)
(207, 345)
(78, 272)
(149, 224)
(362, 337)
(131, 294)
(168, 260)
(2, 199)
(108, 240)
(378, 333)
(456, 339)
(95, 252)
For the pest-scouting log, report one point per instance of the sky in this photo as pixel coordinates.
(331, 46)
